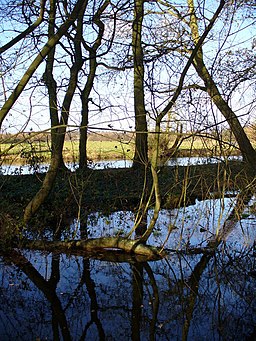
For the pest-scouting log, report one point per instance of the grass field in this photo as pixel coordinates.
(31, 149)
(96, 150)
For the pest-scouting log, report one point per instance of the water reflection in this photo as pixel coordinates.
(199, 297)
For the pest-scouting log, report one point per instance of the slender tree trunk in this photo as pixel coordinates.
(85, 112)
(140, 159)
(83, 136)
(154, 172)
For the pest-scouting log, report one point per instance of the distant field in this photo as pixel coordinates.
(103, 147)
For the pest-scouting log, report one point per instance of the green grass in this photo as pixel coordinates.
(96, 150)
(100, 150)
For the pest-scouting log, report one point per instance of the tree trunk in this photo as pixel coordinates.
(45, 189)
(245, 146)
(140, 159)
(51, 85)
(85, 112)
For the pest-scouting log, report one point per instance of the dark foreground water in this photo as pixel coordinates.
(45, 296)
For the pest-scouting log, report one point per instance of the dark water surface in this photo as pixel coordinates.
(46, 296)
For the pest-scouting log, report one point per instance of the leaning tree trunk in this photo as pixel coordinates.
(245, 146)
(45, 189)
(247, 150)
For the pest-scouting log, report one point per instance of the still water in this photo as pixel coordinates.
(47, 296)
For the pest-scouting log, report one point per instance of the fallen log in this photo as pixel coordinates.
(96, 245)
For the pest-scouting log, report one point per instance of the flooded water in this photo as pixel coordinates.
(46, 296)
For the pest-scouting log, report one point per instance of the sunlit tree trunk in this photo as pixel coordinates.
(247, 150)
(85, 112)
(141, 141)
(95, 244)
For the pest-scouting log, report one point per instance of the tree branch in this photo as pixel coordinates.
(30, 29)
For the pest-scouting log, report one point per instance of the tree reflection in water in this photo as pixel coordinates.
(183, 297)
